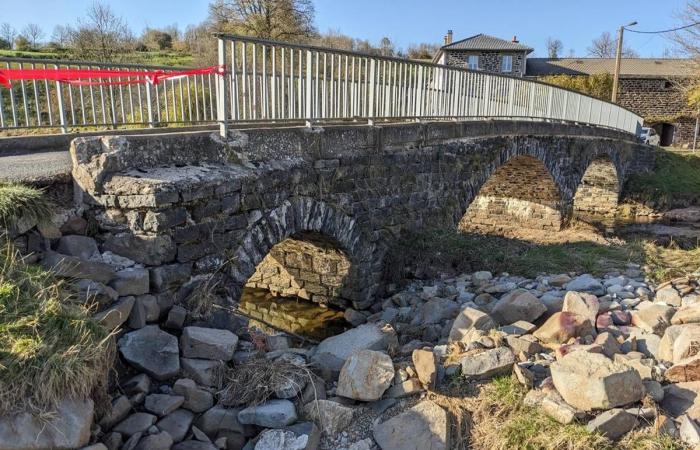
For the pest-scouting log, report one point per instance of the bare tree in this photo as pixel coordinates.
(101, 33)
(8, 33)
(604, 46)
(33, 33)
(62, 35)
(271, 19)
(554, 47)
(422, 51)
(386, 47)
(688, 44)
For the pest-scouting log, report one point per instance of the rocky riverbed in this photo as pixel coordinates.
(614, 353)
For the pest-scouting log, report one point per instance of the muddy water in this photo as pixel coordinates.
(293, 315)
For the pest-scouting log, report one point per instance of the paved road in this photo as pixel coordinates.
(38, 166)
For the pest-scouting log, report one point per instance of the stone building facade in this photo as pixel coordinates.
(485, 53)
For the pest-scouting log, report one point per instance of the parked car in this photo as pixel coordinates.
(649, 136)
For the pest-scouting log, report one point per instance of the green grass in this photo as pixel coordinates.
(435, 251)
(674, 183)
(160, 58)
(50, 349)
(18, 201)
(503, 422)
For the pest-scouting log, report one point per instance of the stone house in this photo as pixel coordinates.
(484, 52)
(651, 87)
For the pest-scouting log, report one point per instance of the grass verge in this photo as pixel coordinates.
(50, 349)
(18, 201)
(502, 422)
(674, 183)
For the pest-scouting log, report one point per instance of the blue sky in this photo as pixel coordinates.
(574, 22)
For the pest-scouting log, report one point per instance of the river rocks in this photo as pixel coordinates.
(196, 399)
(653, 318)
(176, 424)
(590, 381)
(425, 364)
(271, 414)
(669, 296)
(687, 369)
(488, 363)
(68, 429)
(204, 371)
(152, 350)
(163, 404)
(517, 305)
(158, 441)
(332, 352)
(219, 418)
(586, 283)
(365, 375)
(425, 426)
(331, 417)
(561, 327)
(208, 343)
(281, 439)
(135, 423)
(613, 423)
(686, 314)
(467, 320)
(582, 304)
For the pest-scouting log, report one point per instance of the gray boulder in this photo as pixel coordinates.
(425, 426)
(271, 414)
(135, 423)
(115, 315)
(586, 283)
(82, 247)
(196, 399)
(204, 371)
(163, 404)
(612, 424)
(331, 353)
(73, 267)
(365, 375)
(131, 281)
(487, 364)
(153, 351)
(208, 343)
(176, 424)
(517, 305)
(331, 417)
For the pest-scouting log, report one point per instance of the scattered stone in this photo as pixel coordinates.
(271, 414)
(68, 428)
(159, 441)
(467, 320)
(176, 424)
(425, 363)
(281, 439)
(682, 398)
(138, 384)
(654, 389)
(95, 291)
(131, 281)
(555, 407)
(586, 283)
(365, 375)
(425, 426)
(121, 406)
(517, 305)
(73, 267)
(331, 353)
(589, 381)
(219, 418)
(176, 318)
(163, 404)
(405, 389)
(669, 296)
(82, 247)
(583, 304)
(689, 431)
(194, 445)
(152, 350)
(196, 399)
(488, 363)
(208, 343)
(686, 314)
(561, 327)
(612, 424)
(136, 423)
(687, 369)
(331, 417)
(204, 371)
(653, 318)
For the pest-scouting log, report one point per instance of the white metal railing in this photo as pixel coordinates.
(276, 81)
(43, 104)
(273, 81)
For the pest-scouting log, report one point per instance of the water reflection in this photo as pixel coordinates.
(294, 315)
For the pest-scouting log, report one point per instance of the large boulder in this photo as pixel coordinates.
(517, 305)
(425, 426)
(612, 424)
(467, 320)
(687, 369)
(562, 326)
(331, 353)
(686, 314)
(590, 381)
(153, 351)
(426, 364)
(686, 344)
(653, 318)
(583, 304)
(489, 363)
(208, 343)
(365, 375)
(682, 398)
(69, 428)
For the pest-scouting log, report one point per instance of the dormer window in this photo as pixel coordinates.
(507, 63)
(473, 62)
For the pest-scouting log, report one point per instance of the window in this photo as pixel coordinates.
(507, 63)
(473, 62)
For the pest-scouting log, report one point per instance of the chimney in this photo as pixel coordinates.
(515, 39)
(448, 37)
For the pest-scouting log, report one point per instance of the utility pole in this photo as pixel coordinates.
(618, 61)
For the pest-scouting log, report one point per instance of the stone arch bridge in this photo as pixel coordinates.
(313, 211)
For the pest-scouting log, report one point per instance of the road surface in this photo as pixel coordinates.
(35, 167)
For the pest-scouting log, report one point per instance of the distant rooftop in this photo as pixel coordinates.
(485, 42)
(629, 67)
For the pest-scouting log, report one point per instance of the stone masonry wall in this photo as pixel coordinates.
(488, 61)
(305, 266)
(520, 193)
(598, 194)
(196, 211)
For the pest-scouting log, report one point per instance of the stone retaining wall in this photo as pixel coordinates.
(599, 191)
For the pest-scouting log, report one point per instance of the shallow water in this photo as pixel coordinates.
(303, 317)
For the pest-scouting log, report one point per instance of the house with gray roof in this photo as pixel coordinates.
(484, 52)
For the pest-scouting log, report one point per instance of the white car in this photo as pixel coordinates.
(649, 136)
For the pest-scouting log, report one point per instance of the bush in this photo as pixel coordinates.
(598, 85)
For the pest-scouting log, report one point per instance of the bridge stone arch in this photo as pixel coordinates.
(283, 232)
(598, 191)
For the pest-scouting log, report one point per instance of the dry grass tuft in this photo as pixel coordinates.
(22, 202)
(256, 380)
(50, 349)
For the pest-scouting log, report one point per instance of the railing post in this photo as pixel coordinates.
(309, 81)
(149, 105)
(371, 86)
(222, 105)
(61, 108)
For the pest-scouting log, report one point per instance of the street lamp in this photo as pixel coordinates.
(618, 60)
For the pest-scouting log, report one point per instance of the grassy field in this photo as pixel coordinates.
(162, 58)
(675, 182)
